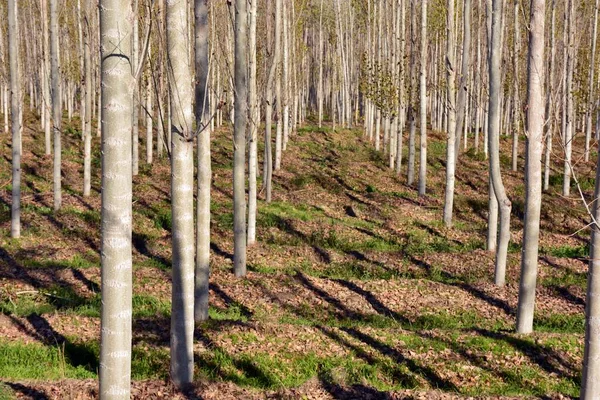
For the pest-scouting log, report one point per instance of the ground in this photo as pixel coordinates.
(355, 288)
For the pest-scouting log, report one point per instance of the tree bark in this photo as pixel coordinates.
(56, 103)
(15, 106)
(202, 108)
(182, 194)
(253, 125)
(504, 203)
(87, 131)
(240, 128)
(452, 143)
(423, 96)
(533, 167)
(117, 88)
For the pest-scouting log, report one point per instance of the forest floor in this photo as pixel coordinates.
(355, 289)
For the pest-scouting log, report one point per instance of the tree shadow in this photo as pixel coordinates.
(545, 357)
(214, 364)
(373, 301)
(28, 391)
(75, 354)
(230, 301)
(429, 374)
(140, 243)
(455, 281)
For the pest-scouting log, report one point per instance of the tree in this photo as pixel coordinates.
(452, 146)
(15, 106)
(253, 126)
(87, 125)
(569, 115)
(117, 106)
(204, 162)
(56, 103)
(533, 166)
(239, 139)
(590, 384)
(590, 106)
(412, 118)
(268, 158)
(504, 204)
(423, 97)
(182, 194)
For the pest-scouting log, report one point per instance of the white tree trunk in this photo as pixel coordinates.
(452, 147)
(15, 106)
(423, 96)
(240, 129)
(504, 203)
(56, 103)
(253, 125)
(204, 161)
(533, 167)
(117, 88)
(182, 193)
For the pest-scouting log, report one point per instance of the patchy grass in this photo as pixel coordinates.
(354, 279)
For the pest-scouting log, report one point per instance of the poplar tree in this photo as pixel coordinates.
(117, 95)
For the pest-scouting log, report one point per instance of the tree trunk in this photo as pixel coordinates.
(570, 113)
(533, 167)
(182, 194)
(240, 128)
(321, 61)
(590, 108)
(452, 144)
(590, 385)
(15, 100)
(412, 118)
(87, 131)
(136, 90)
(464, 76)
(56, 103)
(253, 126)
(423, 96)
(504, 203)
(117, 88)
(268, 159)
(204, 162)
(550, 108)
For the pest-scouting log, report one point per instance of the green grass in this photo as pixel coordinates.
(582, 251)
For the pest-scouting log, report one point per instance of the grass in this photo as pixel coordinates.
(365, 338)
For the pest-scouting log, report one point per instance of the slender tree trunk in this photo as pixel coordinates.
(494, 141)
(533, 167)
(87, 131)
(15, 105)
(590, 108)
(590, 385)
(240, 128)
(204, 163)
(423, 96)
(136, 91)
(117, 88)
(182, 194)
(401, 16)
(452, 145)
(464, 76)
(516, 85)
(412, 118)
(321, 62)
(268, 159)
(550, 107)
(149, 111)
(56, 103)
(570, 113)
(253, 125)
